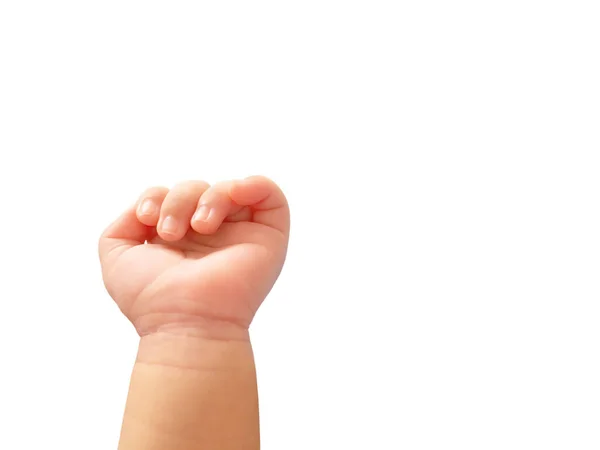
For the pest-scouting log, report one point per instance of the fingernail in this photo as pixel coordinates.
(148, 208)
(169, 225)
(202, 213)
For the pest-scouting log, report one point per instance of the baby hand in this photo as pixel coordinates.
(197, 258)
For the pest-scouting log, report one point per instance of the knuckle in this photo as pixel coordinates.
(155, 191)
(191, 186)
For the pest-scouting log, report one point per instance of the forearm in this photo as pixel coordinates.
(191, 392)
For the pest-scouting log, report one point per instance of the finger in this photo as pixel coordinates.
(177, 209)
(149, 204)
(213, 207)
(125, 232)
(266, 200)
(239, 214)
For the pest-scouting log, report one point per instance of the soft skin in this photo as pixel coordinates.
(189, 267)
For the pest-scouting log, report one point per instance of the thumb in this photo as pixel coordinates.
(266, 200)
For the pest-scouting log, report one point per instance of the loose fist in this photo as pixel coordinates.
(197, 258)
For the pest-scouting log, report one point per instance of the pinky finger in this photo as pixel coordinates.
(149, 204)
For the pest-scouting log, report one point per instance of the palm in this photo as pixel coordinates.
(224, 276)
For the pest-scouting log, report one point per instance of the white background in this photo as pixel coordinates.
(441, 161)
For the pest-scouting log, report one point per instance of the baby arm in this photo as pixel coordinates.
(189, 267)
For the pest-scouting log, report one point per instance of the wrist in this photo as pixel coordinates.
(192, 326)
(197, 349)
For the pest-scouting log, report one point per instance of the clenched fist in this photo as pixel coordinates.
(197, 259)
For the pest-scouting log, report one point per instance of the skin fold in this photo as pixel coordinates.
(189, 267)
